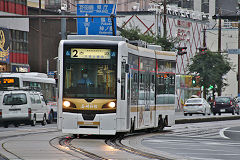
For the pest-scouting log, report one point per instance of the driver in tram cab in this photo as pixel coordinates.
(85, 80)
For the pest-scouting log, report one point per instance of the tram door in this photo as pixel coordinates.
(144, 92)
(147, 96)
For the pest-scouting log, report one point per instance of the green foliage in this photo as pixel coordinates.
(167, 44)
(131, 34)
(211, 68)
(135, 34)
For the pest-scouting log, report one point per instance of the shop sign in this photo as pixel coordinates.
(4, 45)
(16, 68)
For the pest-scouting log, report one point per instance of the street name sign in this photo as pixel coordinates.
(233, 51)
(96, 26)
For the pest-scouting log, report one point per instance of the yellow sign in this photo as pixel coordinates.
(6, 81)
(90, 53)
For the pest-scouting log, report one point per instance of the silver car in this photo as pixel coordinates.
(196, 106)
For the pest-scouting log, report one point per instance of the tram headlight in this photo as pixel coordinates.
(112, 104)
(68, 104)
(109, 105)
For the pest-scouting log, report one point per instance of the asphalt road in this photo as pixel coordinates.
(209, 140)
(219, 140)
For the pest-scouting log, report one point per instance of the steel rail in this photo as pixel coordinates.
(14, 136)
(67, 143)
(116, 143)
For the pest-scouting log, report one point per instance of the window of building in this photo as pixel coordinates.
(18, 41)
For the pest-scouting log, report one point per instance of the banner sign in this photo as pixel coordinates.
(96, 26)
(18, 68)
(4, 45)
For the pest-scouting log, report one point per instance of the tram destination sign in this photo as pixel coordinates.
(99, 25)
(90, 53)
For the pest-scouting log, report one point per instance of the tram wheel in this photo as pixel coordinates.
(160, 123)
(132, 126)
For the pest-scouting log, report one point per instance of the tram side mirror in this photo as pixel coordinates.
(126, 68)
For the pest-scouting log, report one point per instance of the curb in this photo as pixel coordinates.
(208, 119)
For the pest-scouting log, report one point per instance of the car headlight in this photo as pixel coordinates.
(69, 104)
(109, 105)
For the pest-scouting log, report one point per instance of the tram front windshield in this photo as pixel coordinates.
(89, 73)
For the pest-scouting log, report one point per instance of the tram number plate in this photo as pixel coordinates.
(88, 123)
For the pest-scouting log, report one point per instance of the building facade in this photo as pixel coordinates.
(14, 37)
(50, 37)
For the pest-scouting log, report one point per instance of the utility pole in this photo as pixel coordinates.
(40, 37)
(63, 20)
(204, 37)
(219, 86)
(238, 58)
(164, 19)
(219, 31)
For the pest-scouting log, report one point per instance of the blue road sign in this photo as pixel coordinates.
(96, 26)
(233, 51)
(51, 73)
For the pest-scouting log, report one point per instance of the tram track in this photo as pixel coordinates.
(6, 140)
(66, 147)
(113, 141)
(116, 143)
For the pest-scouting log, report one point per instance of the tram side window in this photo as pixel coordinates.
(123, 81)
(153, 79)
(135, 77)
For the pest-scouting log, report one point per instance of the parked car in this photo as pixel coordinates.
(225, 105)
(196, 106)
(20, 106)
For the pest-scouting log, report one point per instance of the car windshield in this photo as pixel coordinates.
(15, 99)
(194, 101)
(222, 100)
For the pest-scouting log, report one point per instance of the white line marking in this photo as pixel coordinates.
(233, 131)
(221, 132)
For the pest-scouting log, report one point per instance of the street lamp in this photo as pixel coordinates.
(48, 60)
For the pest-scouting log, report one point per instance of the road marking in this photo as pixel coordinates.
(221, 132)
(232, 131)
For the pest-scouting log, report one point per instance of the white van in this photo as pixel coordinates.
(19, 106)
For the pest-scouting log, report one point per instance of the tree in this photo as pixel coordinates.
(211, 67)
(135, 34)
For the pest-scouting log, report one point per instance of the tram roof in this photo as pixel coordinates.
(96, 37)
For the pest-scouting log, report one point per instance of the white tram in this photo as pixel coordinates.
(108, 86)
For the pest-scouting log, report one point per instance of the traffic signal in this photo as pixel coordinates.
(181, 50)
(194, 81)
(210, 87)
(202, 50)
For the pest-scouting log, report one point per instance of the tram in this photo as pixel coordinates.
(107, 86)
